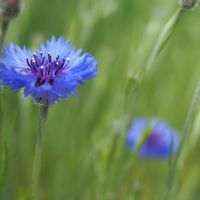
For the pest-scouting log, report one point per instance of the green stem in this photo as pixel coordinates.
(164, 36)
(4, 28)
(3, 145)
(133, 84)
(38, 151)
(185, 136)
(188, 121)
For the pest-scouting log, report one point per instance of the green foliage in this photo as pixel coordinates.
(85, 155)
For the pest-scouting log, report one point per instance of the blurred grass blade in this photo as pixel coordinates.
(180, 158)
(188, 122)
(3, 167)
(3, 145)
(163, 38)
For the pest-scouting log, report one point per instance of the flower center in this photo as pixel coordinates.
(155, 139)
(45, 69)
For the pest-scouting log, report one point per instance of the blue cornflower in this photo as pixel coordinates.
(55, 70)
(161, 141)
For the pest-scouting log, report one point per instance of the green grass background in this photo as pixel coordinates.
(84, 155)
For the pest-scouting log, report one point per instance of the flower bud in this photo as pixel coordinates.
(187, 4)
(9, 8)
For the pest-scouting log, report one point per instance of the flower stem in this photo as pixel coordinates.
(38, 150)
(189, 118)
(164, 36)
(4, 28)
(179, 159)
(134, 82)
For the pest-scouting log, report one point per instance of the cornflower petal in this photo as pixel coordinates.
(50, 74)
(161, 141)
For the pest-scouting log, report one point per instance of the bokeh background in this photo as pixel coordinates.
(85, 155)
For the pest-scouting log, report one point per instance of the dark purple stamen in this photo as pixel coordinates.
(45, 69)
(49, 57)
(39, 82)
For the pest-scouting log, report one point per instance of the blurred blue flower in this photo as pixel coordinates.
(55, 70)
(160, 142)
